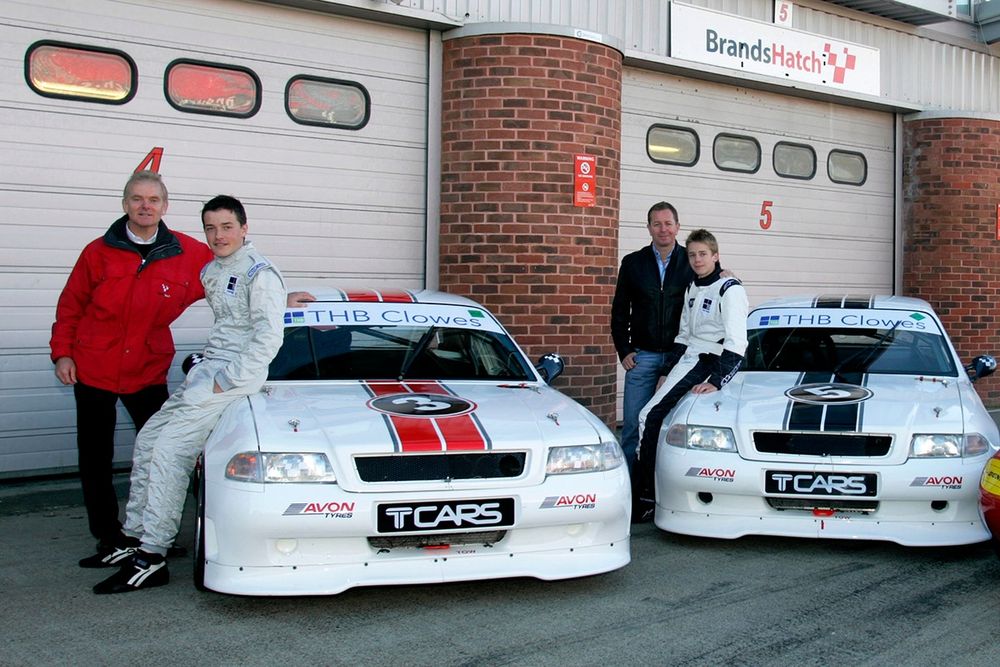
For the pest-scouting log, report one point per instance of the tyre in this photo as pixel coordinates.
(199, 530)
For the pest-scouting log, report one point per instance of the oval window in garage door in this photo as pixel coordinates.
(74, 71)
(847, 167)
(330, 102)
(672, 145)
(220, 90)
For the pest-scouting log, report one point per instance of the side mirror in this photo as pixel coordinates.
(550, 366)
(191, 361)
(981, 366)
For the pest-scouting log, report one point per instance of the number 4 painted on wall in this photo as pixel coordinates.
(152, 160)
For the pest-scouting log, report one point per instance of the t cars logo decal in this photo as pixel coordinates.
(943, 482)
(580, 501)
(818, 483)
(823, 402)
(427, 417)
(451, 515)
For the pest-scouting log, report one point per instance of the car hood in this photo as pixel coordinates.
(330, 416)
(883, 404)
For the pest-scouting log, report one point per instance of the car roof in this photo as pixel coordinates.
(387, 295)
(856, 301)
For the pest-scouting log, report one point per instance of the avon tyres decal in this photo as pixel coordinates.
(824, 402)
(427, 417)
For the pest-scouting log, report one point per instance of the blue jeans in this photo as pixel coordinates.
(640, 385)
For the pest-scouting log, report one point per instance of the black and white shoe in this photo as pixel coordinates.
(142, 570)
(111, 555)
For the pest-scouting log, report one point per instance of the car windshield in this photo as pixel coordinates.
(886, 350)
(356, 352)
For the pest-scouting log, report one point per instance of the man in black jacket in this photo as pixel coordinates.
(645, 314)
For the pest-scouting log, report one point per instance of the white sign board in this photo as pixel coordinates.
(723, 40)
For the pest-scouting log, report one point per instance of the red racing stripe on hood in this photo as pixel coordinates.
(418, 433)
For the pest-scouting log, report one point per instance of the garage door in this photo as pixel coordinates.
(800, 193)
(318, 123)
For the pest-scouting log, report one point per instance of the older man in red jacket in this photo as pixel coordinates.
(111, 339)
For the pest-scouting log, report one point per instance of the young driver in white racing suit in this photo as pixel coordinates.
(247, 296)
(707, 352)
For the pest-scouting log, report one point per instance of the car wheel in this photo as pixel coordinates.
(199, 531)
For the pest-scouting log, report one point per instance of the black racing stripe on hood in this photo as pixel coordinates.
(844, 417)
(804, 416)
(829, 301)
(859, 301)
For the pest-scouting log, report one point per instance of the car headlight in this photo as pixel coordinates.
(944, 445)
(280, 467)
(584, 458)
(705, 438)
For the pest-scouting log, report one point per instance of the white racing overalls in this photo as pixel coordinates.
(247, 297)
(709, 348)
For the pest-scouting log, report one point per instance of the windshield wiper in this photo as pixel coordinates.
(868, 352)
(416, 351)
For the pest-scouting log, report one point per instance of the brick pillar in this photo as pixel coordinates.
(516, 108)
(951, 255)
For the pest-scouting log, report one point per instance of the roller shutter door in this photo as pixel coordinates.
(327, 204)
(820, 235)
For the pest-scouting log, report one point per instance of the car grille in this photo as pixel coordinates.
(486, 539)
(822, 444)
(804, 503)
(433, 467)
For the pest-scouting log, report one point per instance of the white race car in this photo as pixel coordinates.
(851, 417)
(403, 437)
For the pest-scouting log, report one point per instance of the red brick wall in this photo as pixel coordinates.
(515, 110)
(951, 256)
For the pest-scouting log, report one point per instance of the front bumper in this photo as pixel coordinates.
(569, 526)
(722, 495)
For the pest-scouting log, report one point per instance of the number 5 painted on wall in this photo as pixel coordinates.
(152, 160)
(765, 214)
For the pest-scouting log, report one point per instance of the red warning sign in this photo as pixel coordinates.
(584, 180)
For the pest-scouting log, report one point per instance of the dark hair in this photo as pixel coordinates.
(661, 206)
(703, 236)
(225, 203)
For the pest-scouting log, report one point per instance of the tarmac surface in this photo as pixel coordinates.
(682, 601)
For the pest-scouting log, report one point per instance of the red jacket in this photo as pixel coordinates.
(113, 317)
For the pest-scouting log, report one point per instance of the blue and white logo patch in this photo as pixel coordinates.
(706, 305)
(231, 285)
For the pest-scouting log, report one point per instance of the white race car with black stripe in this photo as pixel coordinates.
(851, 417)
(403, 437)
